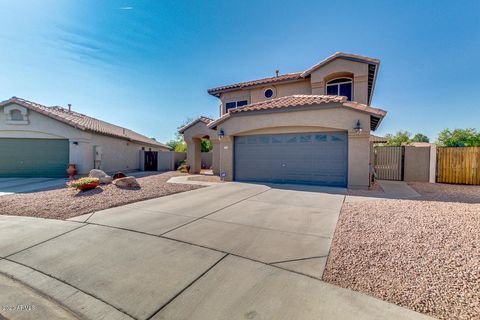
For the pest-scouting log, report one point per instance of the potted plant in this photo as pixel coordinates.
(83, 184)
(72, 171)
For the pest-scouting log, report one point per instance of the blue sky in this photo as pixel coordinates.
(147, 65)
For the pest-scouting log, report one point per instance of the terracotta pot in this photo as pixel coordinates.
(72, 171)
(89, 186)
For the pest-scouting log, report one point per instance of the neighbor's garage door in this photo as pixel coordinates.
(310, 158)
(33, 157)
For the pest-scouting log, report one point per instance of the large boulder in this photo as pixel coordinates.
(101, 175)
(127, 182)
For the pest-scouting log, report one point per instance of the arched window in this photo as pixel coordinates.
(340, 87)
(16, 115)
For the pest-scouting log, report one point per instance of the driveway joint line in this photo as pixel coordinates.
(215, 211)
(188, 286)
(269, 229)
(299, 259)
(42, 242)
(76, 288)
(44, 295)
(201, 246)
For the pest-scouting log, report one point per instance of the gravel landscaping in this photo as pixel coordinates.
(66, 203)
(423, 254)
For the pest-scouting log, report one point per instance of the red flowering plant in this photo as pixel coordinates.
(83, 184)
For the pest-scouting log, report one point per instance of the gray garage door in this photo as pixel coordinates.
(33, 157)
(307, 158)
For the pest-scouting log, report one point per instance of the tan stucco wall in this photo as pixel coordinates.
(117, 154)
(339, 66)
(417, 164)
(282, 90)
(312, 120)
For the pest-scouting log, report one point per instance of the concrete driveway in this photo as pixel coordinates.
(229, 251)
(22, 185)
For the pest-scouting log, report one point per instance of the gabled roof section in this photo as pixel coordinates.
(297, 76)
(295, 101)
(83, 122)
(202, 119)
(341, 55)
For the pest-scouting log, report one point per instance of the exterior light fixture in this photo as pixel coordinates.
(358, 127)
(221, 134)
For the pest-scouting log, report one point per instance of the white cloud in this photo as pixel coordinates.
(126, 8)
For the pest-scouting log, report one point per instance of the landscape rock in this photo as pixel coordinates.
(118, 175)
(105, 180)
(126, 182)
(101, 175)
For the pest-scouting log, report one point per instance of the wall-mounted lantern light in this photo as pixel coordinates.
(358, 127)
(221, 134)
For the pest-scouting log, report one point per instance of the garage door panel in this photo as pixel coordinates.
(33, 157)
(314, 158)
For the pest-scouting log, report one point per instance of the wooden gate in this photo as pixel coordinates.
(151, 161)
(459, 165)
(388, 163)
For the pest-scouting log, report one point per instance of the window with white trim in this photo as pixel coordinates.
(15, 114)
(340, 87)
(235, 104)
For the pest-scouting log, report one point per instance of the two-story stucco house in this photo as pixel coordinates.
(307, 127)
(40, 141)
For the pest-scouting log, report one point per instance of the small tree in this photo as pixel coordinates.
(459, 138)
(401, 137)
(420, 137)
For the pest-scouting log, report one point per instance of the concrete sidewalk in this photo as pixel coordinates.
(229, 251)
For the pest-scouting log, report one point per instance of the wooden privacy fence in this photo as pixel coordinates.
(459, 165)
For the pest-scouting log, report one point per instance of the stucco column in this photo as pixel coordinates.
(194, 157)
(358, 160)
(226, 157)
(216, 157)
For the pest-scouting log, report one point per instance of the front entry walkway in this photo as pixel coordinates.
(229, 251)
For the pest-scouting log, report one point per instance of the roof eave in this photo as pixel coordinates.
(217, 93)
(339, 55)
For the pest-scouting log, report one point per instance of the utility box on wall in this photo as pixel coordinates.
(97, 157)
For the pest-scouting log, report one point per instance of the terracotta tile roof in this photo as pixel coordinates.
(253, 83)
(293, 76)
(83, 122)
(290, 101)
(378, 139)
(203, 119)
(304, 100)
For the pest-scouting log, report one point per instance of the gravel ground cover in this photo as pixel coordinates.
(423, 254)
(66, 203)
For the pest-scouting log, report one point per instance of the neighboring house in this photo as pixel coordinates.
(40, 141)
(306, 127)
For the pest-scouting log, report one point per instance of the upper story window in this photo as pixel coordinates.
(340, 87)
(235, 104)
(15, 115)
(270, 93)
